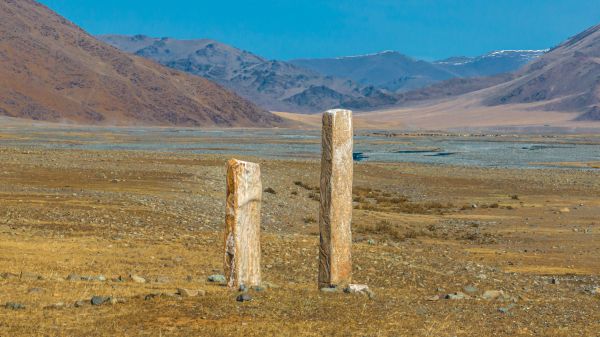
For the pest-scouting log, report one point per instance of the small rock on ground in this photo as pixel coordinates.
(162, 279)
(8, 276)
(506, 309)
(58, 305)
(361, 289)
(183, 292)
(456, 296)
(244, 298)
(30, 276)
(470, 289)
(73, 277)
(99, 300)
(81, 303)
(329, 290)
(137, 279)
(269, 285)
(99, 278)
(217, 278)
(14, 306)
(492, 294)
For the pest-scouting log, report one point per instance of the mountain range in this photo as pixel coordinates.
(274, 85)
(567, 78)
(52, 70)
(311, 85)
(396, 72)
(560, 88)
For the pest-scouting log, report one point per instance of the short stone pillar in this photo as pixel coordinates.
(242, 224)
(335, 216)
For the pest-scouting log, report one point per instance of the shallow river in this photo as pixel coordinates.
(300, 144)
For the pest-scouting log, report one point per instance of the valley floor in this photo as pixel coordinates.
(421, 232)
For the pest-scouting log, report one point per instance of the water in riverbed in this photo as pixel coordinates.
(301, 144)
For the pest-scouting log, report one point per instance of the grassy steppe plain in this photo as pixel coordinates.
(534, 234)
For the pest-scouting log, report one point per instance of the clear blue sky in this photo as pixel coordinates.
(429, 29)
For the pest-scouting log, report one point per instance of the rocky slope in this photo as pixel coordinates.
(311, 85)
(490, 64)
(52, 70)
(567, 78)
(451, 88)
(399, 73)
(389, 70)
(275, 85)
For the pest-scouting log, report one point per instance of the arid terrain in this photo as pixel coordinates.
(447, 250)
(112, 174)
(456, 115)
(52, 70)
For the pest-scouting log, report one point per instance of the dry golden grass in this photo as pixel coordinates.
(118, 213)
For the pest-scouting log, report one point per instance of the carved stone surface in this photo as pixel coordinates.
(242, 224)
(335, 216)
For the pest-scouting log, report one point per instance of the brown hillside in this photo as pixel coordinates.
(566, 79)
(52, 70)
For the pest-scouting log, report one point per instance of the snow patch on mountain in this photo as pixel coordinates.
(525, 54)
(367, 55)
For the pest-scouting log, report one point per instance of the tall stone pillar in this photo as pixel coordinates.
(242, 224)
(335, 216)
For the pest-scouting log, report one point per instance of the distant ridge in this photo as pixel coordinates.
(365, 55)
(395, 72)
(272, 84)
(561, 88)
(51, 70)
(359, 82)
(387, 70)
(566, 78)
(490, 64)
